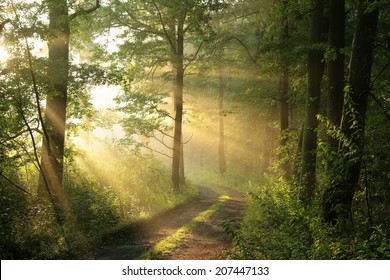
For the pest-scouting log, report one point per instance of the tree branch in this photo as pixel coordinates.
(165, 134)
(161, 112)
(153, 150)
(40, 116)
(171, 43)
(162, 141)
(373, 96)
(379, 74)
(194, 57)
(186, 142)
(146, 28)
(36, 152)
(13, 184)
(380, 105)
(85, 11)
(26, 152)
(37, 99)
(236, 17)
(3, 24)
(25, 131)
(252, 58)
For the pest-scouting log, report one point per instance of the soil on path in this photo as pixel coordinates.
(206, 241)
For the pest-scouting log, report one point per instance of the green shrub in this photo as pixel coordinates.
(278, 226)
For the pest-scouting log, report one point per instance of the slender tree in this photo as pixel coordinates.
(284, 84)
(221, 143)
(179, 86)
(338, 197)
(315, 73)
(336, 80)
(166, 26)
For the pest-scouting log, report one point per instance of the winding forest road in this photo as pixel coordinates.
(195, 227)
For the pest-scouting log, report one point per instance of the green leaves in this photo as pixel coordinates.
(142, 113)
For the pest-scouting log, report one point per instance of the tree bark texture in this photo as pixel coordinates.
(283, 90)
(52, 157)
(336, 80)
(337, 202)
(181, 167)
(179, 64)
(315, 72)
(284, 118)
(221, 144)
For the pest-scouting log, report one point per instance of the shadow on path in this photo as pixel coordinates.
(207, 241)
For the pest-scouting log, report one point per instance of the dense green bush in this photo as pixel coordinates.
(29, 230)
(278, 226)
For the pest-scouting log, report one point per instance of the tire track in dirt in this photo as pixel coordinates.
(206, 241)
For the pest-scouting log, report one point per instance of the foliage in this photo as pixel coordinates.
(29, 230)
(143, 108)
(278, 226)
(97, 206)
(139, 189)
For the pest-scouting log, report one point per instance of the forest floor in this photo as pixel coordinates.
(194, 228)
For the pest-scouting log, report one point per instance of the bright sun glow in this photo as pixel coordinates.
(103, 96)
(4, 55)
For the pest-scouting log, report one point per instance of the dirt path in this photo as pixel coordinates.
(206, 241)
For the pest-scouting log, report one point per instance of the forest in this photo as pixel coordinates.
(193, 129)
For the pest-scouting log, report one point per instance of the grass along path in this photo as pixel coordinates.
(192, 230)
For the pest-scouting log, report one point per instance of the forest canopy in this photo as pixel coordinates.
(114, 111)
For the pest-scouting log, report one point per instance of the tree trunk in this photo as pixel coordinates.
(338, 197)
(283, 91)
(52, 157)
(181, 167)
(284, 108)
(284, 115)
(178, 107)
(315, 72)
(336, 79)
(221, 144)
(297, 170)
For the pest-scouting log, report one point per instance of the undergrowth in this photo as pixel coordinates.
(129, 188)
(278, 226)
(210, 176)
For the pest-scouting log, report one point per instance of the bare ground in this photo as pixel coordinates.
(206, 241)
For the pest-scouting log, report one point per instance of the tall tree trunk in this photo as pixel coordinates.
(284, 108)
(283, 90)
(52, 157)
(315, 72)
(284, 117)
(221, 144)
(178, 106)
(336, 79)
(181, 167)
(338, 197)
